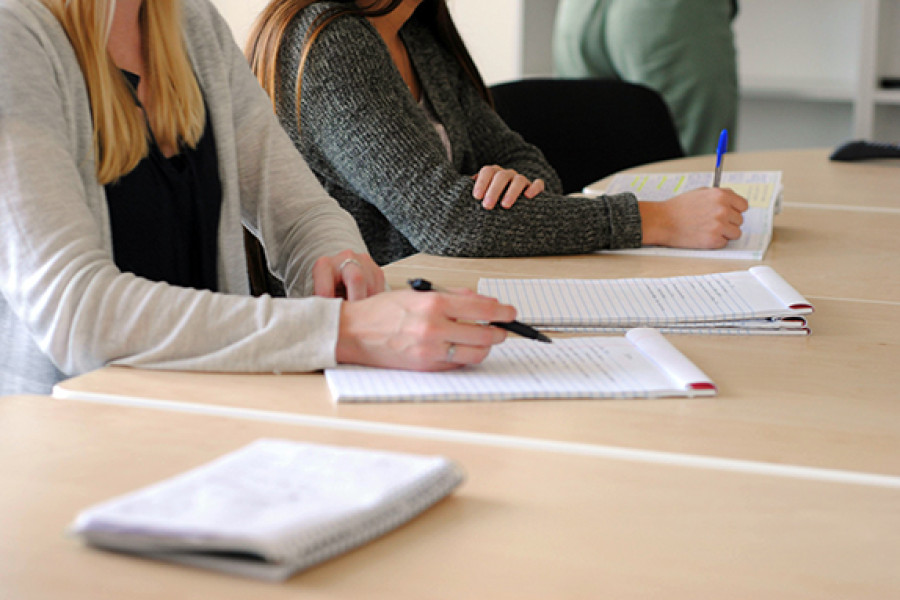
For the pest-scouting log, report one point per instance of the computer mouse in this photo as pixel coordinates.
(862, 150)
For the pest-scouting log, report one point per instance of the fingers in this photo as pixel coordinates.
(702, 218)
(515, 188)
(536, 187)
(463, 322)
(462, 355)
(494, 184)
(493, 181)
(324, 281)
(737, 202)
(421, 331)
(441, 352)
(483, 180)
(469, 307)
(731, 215)
(353, 279)
(347, 275)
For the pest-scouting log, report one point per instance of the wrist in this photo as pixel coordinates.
(346, 350)
(653, 223)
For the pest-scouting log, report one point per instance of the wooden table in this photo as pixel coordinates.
(783, 485)
(827, 401)
(836, 236)
(526, 524)
(809, 177)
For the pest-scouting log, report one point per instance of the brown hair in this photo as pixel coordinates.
(267, 36)
(177, 115)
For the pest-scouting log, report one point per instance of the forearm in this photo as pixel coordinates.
(546, 225)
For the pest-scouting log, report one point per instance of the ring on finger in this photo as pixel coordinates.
(348, 261)
(451, 351)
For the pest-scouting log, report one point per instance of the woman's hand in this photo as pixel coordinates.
(347, 275)
(493, 181)
(431, 331)
(702, 218)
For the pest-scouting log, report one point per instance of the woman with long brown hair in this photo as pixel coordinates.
(134, 143)
(389, 111)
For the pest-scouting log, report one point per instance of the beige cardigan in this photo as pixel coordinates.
(65, 307)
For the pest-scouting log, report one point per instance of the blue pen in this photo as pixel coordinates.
(720, 152)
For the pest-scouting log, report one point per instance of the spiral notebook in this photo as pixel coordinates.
(271, 508)
(757, 301)
(640, 364)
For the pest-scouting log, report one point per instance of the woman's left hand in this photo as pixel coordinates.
(492, 181)
(347, 275)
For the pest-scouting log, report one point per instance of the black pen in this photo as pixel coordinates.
(423, 285)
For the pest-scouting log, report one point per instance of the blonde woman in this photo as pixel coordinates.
(389, 111)
(134, 141)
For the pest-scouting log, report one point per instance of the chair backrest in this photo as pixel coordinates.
(589, 128)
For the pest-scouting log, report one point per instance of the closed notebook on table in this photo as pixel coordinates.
(757, 300)
(641, 364)
(272, 508)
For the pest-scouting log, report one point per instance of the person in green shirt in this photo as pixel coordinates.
(683, 49)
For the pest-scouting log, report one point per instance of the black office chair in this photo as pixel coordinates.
(589, 128)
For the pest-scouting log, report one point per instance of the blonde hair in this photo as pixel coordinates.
(177, 114)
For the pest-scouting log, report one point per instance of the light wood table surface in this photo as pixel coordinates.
(845, 254)
(808, 176)
(524, 525)
(827, 401)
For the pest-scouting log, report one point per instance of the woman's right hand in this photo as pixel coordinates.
(422, 331)
(495, 184)
(703, 218)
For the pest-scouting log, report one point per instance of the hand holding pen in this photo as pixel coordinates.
(406, 329)
(703, 218)
(423, 285)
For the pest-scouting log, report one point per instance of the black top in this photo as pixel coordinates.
(164, 214)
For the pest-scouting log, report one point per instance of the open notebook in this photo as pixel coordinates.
(640, 364)
(271, 508)
(755, 301)
(762, 189)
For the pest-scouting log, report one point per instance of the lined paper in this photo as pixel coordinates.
(290, 504)
(587, 367)
(762, 189)
(688, 300)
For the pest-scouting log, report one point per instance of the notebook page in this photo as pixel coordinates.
(637, 301)
(268, 498)
(694, 330)
(781, 289)
(588, 367)
(679, 368)
(762, 189)
(763, 324)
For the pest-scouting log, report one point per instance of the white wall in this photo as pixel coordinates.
(797, 60)
(492, 29)
(240, 15)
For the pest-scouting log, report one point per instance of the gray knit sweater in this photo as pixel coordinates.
(65, 308)
(374, 150)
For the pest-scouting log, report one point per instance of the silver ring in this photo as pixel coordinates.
(349, 261)
(451, 351)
